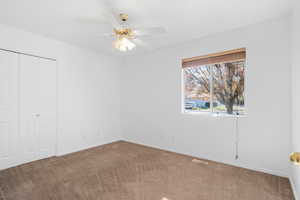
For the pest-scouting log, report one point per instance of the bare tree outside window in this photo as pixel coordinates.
(197, 88)
(218, 88)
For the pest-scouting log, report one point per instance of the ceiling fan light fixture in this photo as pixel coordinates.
(123, 44)
(126, 37)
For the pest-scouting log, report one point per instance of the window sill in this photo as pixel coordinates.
(212, 114)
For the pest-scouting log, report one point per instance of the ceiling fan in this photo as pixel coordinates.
(126, 37)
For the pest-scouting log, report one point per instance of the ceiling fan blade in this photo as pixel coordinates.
(150, 31)
(142, 43)
(139, 42)
(92, 21)
(106, 35)
(111, 13)
(101, 20)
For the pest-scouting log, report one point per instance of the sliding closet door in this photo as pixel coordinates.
(8, 109)
(37, 107)
(47, 108)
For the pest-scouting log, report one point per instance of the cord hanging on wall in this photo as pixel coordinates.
(237, 136)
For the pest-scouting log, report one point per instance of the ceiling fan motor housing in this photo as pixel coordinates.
(124, 17)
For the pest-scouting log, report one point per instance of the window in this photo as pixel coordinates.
(215, 83)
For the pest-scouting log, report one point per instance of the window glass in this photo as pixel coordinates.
(228, 87)
(197, 88)
(221, 85)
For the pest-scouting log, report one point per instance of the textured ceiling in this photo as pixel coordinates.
(81, 22)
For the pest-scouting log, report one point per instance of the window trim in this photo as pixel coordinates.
(216, 58)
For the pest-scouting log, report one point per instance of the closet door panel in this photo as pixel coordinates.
(9, 137)
(47, 108)
(38, 107)
(29, 103)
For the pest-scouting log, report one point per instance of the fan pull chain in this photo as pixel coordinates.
(237, 136)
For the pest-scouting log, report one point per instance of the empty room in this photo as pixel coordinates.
(149, 100)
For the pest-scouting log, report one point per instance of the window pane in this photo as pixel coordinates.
(197, 88)
(228, 87)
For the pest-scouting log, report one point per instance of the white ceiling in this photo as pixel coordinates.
(69, 20)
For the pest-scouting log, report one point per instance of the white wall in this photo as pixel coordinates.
(151, 100)
(89, 97)
(296, 93)
(88, 89)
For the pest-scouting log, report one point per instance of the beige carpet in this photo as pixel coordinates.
(126, 171)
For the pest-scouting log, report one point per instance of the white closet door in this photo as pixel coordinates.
(37, 107)
(8, 109)
(47, 108)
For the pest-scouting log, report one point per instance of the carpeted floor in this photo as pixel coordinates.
(126, 171)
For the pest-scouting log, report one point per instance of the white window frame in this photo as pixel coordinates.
(210, 112)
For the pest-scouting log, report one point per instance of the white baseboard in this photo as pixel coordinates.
(259, 169)
(84, 148)
(294, 188)
(227, 162)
